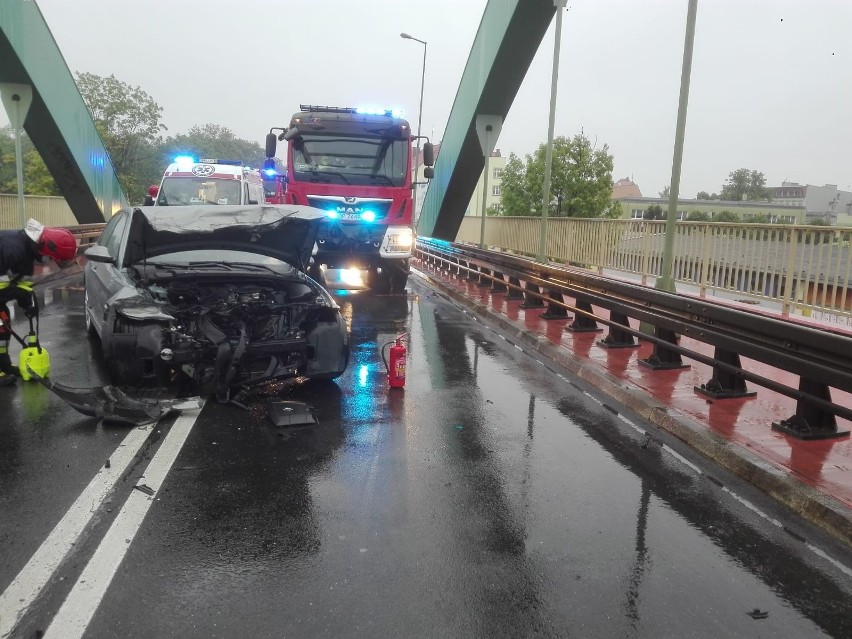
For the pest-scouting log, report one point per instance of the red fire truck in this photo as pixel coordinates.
(355, 164)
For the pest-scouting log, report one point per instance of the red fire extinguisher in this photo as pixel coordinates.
(396, 366)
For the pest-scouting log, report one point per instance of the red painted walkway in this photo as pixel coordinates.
(825, 465)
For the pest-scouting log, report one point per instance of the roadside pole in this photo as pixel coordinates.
(488, 130)
(17, 99)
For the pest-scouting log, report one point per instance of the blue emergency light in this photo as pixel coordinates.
(270, 172)
(332, 214)
(184, 159)
(368, 216)
(396, 113)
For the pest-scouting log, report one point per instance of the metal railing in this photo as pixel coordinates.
(818, 356)
(47, 209)
(798, 268)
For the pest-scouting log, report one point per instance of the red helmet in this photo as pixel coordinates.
(153, 190)
(57, 243)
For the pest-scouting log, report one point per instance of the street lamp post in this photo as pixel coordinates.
(548, 156)
(405, 36)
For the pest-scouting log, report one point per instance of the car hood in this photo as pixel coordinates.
(286, 232)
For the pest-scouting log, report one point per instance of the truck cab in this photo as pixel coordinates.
(356, 165)
(188, 181)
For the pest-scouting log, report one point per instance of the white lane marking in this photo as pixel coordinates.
(832, 560)
(683, 460)
(21, 593)
(83, 600)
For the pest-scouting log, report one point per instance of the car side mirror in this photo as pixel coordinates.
(428, 172)
(99, 253)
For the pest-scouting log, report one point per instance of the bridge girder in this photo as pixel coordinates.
(58, 123)
(506, 42)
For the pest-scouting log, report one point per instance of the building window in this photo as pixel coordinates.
(637, 214)
(497, 172)
(495, 190)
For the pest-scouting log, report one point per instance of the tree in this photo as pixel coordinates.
(653, 212)
(129, 123)
(726, 216)
(37, 179)
(697, 216)
(580, 180)
(745, 184)
(513, 188)
(665, 192)
(704, 195)
(215, 141)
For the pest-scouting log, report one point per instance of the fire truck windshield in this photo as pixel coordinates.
(350, 160)
(182, 191)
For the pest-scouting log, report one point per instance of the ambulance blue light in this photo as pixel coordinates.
(368, 216)
(184, 159)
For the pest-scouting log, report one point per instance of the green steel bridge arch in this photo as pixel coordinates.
(506, 42)
(61, 128)
(58, 122)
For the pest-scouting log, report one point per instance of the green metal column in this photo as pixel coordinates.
(58, 123)
(505, 44)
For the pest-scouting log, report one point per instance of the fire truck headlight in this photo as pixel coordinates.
(368, 216)
(402, 239)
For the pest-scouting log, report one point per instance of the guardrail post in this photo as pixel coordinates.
(725, 384)
(499, 283)
(789, 286)
(811, 421)
(531, 296)
(514, 292)
(555, 310)
(472, 272)
(664, 358)
(617, 338)
(583, 323)
(484, 278)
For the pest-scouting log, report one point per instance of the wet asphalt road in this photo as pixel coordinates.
(491, 497)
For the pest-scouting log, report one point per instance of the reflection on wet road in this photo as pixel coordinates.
(490, 497)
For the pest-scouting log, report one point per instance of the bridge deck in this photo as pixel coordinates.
(823, 465)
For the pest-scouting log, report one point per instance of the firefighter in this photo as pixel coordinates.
(20, 250)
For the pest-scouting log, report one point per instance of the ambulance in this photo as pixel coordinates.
(188, 181)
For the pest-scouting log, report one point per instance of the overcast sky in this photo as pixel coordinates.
(771, 79)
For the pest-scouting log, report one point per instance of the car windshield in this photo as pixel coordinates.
(350, 160)
(183, 191)
(222, 258)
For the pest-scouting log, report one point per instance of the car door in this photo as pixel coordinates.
(101, 278)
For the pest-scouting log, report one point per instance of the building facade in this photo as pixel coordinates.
(635, 207)
(495, 166)
(827, 202)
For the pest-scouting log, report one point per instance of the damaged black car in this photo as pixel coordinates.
(214, 296)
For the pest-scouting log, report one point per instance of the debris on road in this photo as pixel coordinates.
(289, 413)
(114, 405)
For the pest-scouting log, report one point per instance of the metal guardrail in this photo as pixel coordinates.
(819, 357)
(86, 234)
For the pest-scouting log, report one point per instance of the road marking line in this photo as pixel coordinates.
(83, 600)
(21, 593)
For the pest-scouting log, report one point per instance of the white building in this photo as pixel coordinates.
(495, 166)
